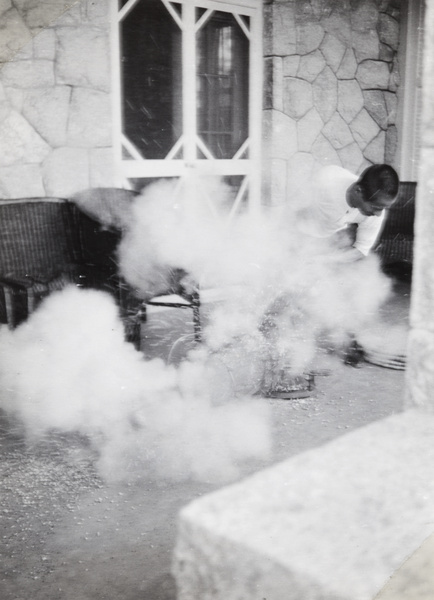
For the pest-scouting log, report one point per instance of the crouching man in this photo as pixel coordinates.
(350, 211)
(343, 201)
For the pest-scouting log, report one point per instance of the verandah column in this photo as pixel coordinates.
(420, 370)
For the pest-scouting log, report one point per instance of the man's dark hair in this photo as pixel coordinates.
(379, 179)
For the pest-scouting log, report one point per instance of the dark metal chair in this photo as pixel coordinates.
(104, 213)
(47, 243)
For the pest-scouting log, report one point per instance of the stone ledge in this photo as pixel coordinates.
(407, 583)
(334, 522)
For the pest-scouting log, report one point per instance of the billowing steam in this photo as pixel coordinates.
(283, 289)
(68, 367)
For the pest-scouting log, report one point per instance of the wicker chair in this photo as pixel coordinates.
(395, 244)
(38, 253)
(47, 243)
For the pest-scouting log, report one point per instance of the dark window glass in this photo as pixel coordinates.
(223, 80)
(151, 78)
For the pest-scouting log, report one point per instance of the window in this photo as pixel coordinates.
(151, 80)
(189, 91)
(222, 85)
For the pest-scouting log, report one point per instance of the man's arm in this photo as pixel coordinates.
(366, 236)
(368, 232)
(344, 255)
(349, 255)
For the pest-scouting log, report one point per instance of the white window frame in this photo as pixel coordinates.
(410, 93)
(250, 168)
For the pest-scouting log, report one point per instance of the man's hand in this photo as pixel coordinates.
(346, 255)
(351, 255)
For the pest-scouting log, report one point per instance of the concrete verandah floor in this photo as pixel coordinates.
(66, 534)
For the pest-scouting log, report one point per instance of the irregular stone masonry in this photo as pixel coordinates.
(55, 84)
(330, 91)
(336, 81)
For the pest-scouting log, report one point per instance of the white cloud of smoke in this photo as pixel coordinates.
(68, 367)
(278, 281)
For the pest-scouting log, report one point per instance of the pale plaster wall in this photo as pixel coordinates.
(420, 370)
(331, 81)
(55, 103)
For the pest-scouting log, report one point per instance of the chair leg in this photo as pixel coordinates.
(195, 304)
(133, 334)
(9, 307)
(31, 301)
(16, 305)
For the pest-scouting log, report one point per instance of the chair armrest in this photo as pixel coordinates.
(11, 290)
(22, 294)
(20, 284)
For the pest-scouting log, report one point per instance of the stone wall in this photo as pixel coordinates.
(55, 105)
(330, 96)
(331, 81)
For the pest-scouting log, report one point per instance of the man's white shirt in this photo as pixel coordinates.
(331, 212)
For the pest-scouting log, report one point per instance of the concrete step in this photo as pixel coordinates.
(333, 523)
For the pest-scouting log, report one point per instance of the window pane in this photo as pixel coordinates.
(151, 78)
(222, 84)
